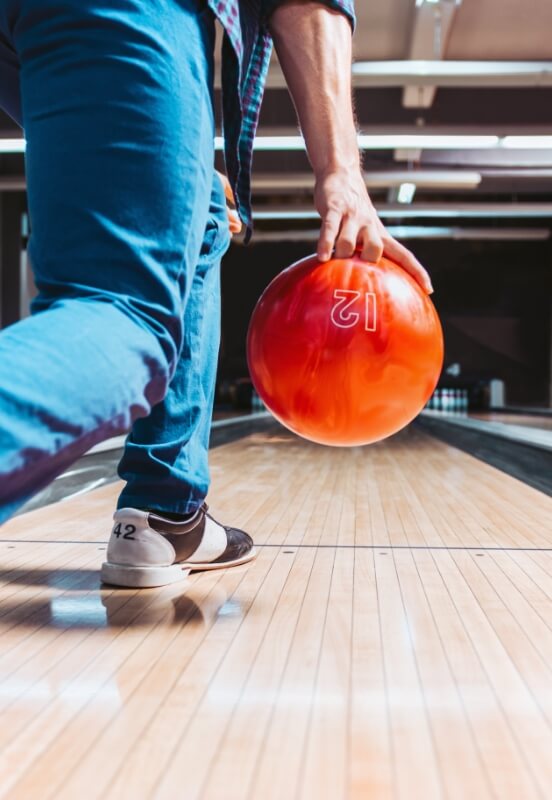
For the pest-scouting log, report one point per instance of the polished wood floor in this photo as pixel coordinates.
(393, 639)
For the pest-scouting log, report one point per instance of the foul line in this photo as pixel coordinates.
(467, 548)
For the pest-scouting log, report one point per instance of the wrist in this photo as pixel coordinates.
(346, 170)
(339, 153)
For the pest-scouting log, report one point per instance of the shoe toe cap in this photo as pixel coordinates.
(239, 545)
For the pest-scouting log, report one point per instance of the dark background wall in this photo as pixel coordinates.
(494, 299)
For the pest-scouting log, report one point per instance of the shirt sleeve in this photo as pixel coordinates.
(346, 7)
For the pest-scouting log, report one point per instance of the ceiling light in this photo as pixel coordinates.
(12, 145)
(406, 192)
(427, 68)
(375, 142)
(436, 72)
(527, 142)
(469, 234)
(382, 142)
(426, 142)
(278, 143)
(437, 2)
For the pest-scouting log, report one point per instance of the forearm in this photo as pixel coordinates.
(314, 46)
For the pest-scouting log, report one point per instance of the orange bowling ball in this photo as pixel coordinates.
(344, 352)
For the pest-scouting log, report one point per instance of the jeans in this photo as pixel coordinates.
(128, 227)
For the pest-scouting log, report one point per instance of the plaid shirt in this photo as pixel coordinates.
(246, 51)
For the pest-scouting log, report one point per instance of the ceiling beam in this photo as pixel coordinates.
(437, 73)
(432, 24)
(268, 183)
(405, 232)
(427, 211)
(453, 179)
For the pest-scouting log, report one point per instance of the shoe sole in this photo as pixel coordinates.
(222, 564)
(152, 577)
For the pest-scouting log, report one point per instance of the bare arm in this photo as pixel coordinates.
(314, 46)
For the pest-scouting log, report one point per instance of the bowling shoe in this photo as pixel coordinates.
(148, 549)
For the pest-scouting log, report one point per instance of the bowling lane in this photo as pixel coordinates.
(400, 600)
(544, 421)
(410, 490)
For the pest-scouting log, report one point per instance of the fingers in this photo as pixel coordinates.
(234, 221)
(372, 244)
(402, 256)
(328, 235)
(371, 241)
(345, 245)
(347, 237)
(350, 224)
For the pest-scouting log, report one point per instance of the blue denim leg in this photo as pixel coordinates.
(10, 100)
(116, 99)
(165, 462)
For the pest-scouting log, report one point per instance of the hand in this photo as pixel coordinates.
(234, 220)
(350, 222)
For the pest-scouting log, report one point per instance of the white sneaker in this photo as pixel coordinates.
(146, 549)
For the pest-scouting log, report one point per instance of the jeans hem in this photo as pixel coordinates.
(188, 506)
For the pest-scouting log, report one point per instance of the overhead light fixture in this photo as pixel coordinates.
(12, 145)
(427, 68)
(437, 72)
(469, 211)
(420, 3)
(382, 142)
(426, 142)
(527, 142)
(470, 234)
(406, 193)
(277, 143)
(287, 214)
(374, 142)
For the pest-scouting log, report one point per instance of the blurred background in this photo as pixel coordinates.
(454, 108)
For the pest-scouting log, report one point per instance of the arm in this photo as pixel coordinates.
(314, 47)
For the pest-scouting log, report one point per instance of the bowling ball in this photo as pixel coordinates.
(344, 352)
